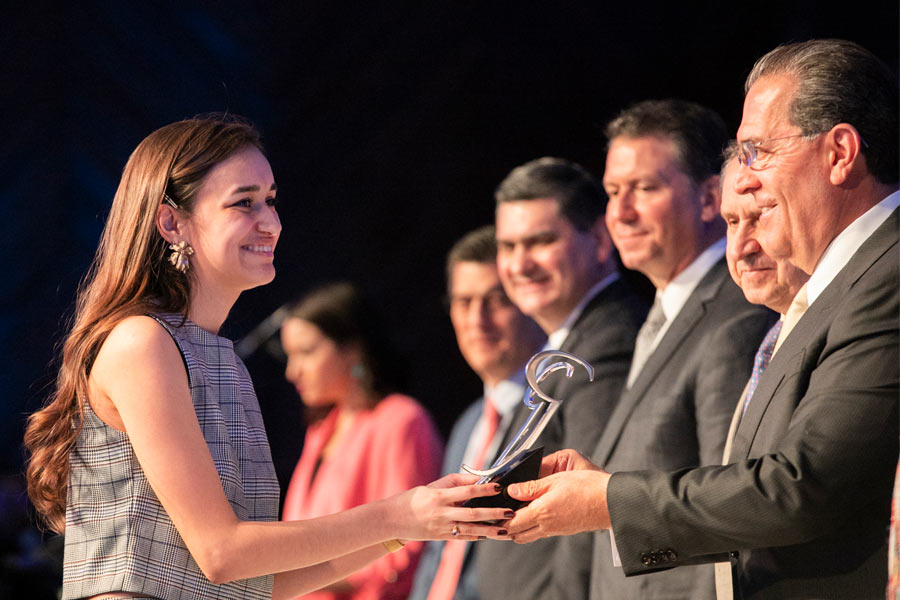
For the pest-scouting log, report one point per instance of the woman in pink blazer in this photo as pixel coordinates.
(372, 443)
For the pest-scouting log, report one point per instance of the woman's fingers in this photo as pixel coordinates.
(440, 509)
(453, 480)
(469, 514)
(470, 532)
(462, 493)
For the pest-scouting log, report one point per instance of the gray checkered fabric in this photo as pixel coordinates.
(118, 536)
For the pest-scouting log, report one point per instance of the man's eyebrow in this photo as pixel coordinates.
(530, 238)
(252, 188)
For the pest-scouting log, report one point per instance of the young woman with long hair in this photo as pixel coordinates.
(151, 453)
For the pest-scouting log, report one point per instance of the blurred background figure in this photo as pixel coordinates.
(364, 440)
(496, 340)
(557, 263)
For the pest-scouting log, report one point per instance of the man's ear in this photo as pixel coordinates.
(711, 199)
(602, 238)
(168, 223)
(844, 146)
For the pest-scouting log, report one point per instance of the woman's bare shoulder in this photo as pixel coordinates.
(138, 343)
(138, 333)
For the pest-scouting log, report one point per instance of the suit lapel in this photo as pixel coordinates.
(691, 313)
(610, 292)
(818, 317)
(570, 344)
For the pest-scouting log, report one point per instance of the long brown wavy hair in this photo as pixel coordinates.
(128, 276)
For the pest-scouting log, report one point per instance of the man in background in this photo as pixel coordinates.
(762, 279)
(557, 264)
(496, 340)
(695, 351)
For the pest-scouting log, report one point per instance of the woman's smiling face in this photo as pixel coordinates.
(234, 226)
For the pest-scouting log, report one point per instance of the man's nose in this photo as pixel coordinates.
(479, 312)
(745, 244)
(746, 181)
(521, 260)
(621, 207)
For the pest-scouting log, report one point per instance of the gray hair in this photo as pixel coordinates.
(840, 82)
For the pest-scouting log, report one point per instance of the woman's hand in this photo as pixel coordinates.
(435, 511)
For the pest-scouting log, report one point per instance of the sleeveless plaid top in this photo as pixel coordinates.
(118, 536)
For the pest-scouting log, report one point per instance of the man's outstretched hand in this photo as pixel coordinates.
(570, 497)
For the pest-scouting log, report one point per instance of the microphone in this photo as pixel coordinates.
(258, 336)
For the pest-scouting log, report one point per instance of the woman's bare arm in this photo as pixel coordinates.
(139, 369)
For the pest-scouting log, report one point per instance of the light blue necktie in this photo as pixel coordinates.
(761, 360)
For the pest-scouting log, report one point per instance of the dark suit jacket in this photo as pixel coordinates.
(805, 508)
(604, 336)
(467, 588)
(677, 413)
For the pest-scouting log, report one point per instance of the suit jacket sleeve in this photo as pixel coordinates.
(820, 463)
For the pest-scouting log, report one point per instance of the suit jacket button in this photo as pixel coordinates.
(671, 555)
(654, 557)
(645, 559)
(734, 555)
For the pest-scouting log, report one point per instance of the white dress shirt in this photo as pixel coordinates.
(847, 242)
(675, 295)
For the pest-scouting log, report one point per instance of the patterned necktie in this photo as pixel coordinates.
(447, 576)
(643, 346)
(761, 360)
(798, 307)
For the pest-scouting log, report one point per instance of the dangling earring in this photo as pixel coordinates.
(179, 256)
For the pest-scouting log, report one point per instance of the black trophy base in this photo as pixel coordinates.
(525, 467)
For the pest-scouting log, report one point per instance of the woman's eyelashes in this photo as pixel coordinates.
(248, 202)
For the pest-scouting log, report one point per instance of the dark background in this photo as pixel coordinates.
(387, 124)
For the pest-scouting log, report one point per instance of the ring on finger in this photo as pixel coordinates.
(454, 531)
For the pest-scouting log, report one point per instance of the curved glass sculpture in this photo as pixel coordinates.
(542, 410)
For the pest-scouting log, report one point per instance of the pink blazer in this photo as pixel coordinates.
(392, 447)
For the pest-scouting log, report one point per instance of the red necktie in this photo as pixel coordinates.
(447, 577)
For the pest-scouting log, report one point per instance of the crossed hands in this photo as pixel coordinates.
(569, 497)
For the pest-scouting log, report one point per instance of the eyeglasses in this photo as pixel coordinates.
(750, 153)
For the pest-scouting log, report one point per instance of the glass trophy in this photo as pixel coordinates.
(519, 461)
